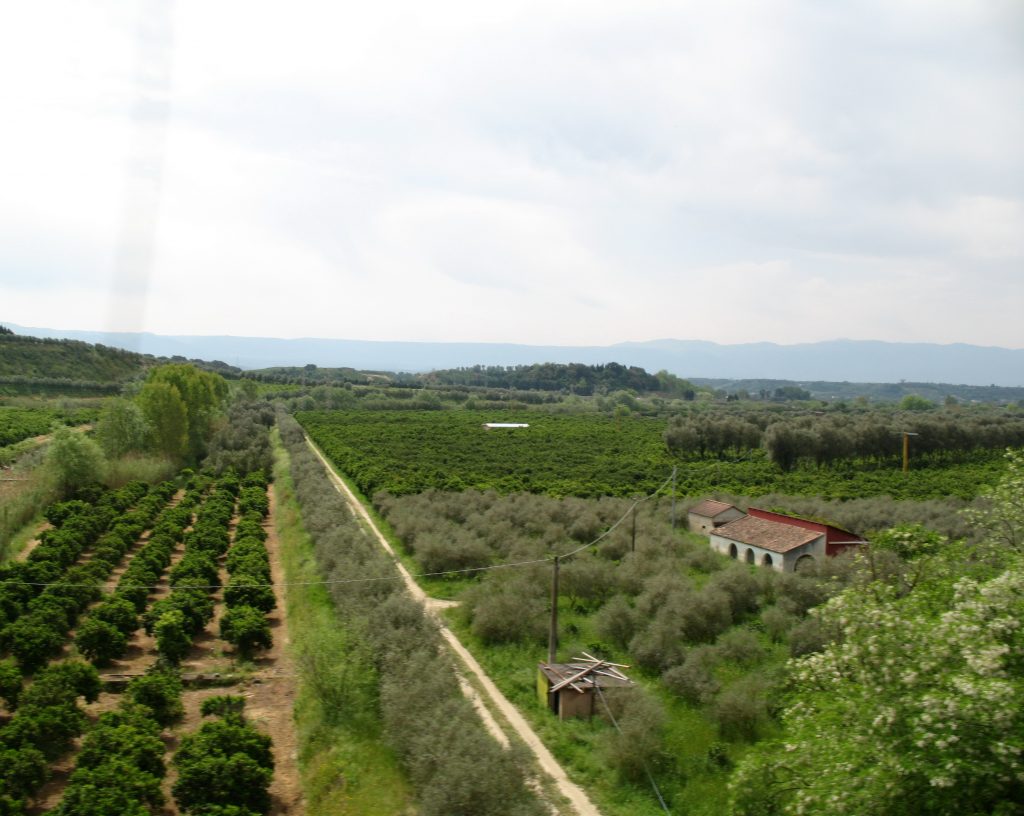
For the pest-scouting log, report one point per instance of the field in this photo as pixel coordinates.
(592, 455)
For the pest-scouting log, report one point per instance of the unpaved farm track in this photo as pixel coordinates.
(581, 804)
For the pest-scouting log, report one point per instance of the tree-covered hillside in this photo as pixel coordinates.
(29, 364)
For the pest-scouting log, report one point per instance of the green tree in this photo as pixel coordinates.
(160, 691)
(100, 641)
(202, 393)
(246, 629)
(75, 460)
(122, 428)
(914, 402)
(165, 410)
(172, 638)
(10, 683)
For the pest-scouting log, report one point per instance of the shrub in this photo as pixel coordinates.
(741, 709)
(245, 590)
(638, 744)
(777, 623)
(741, 646)
(247, 629)
(115, 786)
(694, 678)
(807, 637)
(222, 705)
(616, 622)
(10, 683)
(160, 691)
(100, 641)
(172, 639)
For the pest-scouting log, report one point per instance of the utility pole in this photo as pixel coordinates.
(633, 545)
(553, 631)
(906, 449)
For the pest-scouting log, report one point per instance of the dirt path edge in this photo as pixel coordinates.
(577, 797)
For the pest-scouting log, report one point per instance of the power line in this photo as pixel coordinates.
(366, 580)
(643, 762)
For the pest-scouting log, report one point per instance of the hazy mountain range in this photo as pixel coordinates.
(835, 360)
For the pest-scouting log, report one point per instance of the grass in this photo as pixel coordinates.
(346, 769)
(686, 780)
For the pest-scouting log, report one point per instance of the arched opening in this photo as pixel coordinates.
(767, 560)
(804, 562)
(750, 556)
(733, 552)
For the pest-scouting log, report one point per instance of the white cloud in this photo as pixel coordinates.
(533, 171)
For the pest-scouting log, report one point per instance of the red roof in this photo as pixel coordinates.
(711, 508)
(773, 536)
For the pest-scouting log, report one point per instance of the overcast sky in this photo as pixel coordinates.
(536, 172)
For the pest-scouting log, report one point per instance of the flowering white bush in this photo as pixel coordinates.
(917, 706)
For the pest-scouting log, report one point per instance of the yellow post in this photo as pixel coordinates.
(906, 452)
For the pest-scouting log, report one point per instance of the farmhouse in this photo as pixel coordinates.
(782, 542)
(709, 514)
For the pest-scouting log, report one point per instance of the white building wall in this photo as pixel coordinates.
(780, 562)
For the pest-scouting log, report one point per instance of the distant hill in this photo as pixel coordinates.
(35, 363)
(833, 361)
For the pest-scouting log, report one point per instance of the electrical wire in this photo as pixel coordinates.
(643, 762)
(366, 580)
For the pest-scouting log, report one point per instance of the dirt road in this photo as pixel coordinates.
(580, 802)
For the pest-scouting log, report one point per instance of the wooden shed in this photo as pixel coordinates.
(569, 689)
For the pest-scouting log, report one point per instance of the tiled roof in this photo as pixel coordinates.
(711, 508)
(768, 535)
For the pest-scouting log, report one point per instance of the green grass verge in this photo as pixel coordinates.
(346, 769)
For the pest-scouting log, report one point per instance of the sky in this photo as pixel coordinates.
(556, 172)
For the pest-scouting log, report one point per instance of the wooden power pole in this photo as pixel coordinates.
(553, 631)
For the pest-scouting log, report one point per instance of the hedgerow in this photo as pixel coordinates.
(407, 684)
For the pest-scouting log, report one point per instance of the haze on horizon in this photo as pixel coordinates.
(542, 173)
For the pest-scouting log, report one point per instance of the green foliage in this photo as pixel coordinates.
(916, 705)
(159, 690)
(592, 455)
(454, 766)
(17, 424)
(636, 747)
(75, 460)
(99, 641)
(122, 428)
(247, 629)
(201, 394)
(10, 683)
(172, 638)
(226, 762)
(167, 415)
(222, 705)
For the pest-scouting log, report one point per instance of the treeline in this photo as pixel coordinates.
(573, 378)
(826, 439)
(936, 393)
(394, 678)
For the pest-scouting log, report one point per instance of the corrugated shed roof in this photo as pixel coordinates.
(711, 508)
(773, 536)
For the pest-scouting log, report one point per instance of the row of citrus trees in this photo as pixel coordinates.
(593, 455)
(120, 767)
